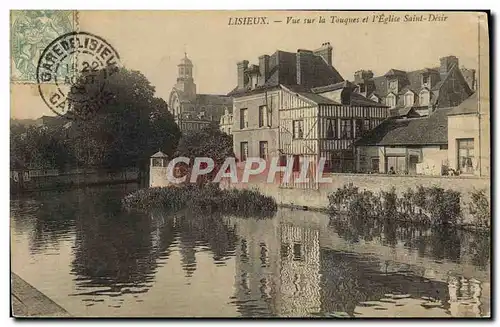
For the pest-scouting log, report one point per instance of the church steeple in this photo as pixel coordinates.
(185, 82)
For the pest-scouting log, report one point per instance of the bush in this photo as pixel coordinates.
(389, 204)
(425, 205)
(340, 199)
(442, 206)
(205, 199)
(350, 200)
(480, 208)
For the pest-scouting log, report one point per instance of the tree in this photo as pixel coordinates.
(120, 123)
(39, 147)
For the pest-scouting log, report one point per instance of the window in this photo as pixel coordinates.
(340, 161)
(391, 100)
(244, 250)
(346, 129)
(424, 98)
(409, 99)
(466, 156)
(425, 79)
(358, 127)
(297, 252)
(298, 129)
(362, 88)
(393, 85)
(283, 160)
(264, 254)
(243, 151)
(366, 125)
(229, 130)
(263, 116)
(296, 163)
(243, 118)
(285, 250)
(398, 164)
(331, 128)
(263, 150)
(254, 81)
(157, 162)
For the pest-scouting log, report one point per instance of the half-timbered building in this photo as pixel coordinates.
(324, 123)
(297, 105)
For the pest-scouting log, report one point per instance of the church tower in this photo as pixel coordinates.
(185, 82)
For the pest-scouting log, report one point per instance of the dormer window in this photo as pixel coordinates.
(409, 99)
(362, 88)
(393, 85)
(425, 79)
(424, 98)
(391, 100)
(375, 98)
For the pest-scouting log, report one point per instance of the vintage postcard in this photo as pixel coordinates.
(307, 164)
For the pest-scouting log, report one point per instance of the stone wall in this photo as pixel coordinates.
(21, 181)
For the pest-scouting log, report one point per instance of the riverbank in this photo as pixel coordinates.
(318, 199)
(36, 180)
(28, 302)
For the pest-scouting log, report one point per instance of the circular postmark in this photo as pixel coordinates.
(72, 72)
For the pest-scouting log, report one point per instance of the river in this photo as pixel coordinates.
(95, 260)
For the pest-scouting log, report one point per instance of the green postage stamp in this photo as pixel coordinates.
(31, 32)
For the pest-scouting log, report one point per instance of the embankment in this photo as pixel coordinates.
(35, 180)
(318, 198)
(28, 302)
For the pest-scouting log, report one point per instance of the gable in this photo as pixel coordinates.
(453, 90)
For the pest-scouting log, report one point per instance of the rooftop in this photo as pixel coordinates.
(432, 130)
(314, 71)
(469, 106)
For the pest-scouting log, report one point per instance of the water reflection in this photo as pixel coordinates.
(308, 276)
(118, 253)
(298, 264)
(437, 242)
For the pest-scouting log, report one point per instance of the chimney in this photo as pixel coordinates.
(362, 76)
(325, 52)
(242, 67)
(447, 63)
(263, 69)
(303, 63)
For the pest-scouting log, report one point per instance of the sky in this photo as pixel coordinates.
(154, 42)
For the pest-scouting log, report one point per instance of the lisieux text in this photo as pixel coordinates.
(376, 18)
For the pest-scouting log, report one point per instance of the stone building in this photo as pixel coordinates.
(193, 111)
(414, 145)
(447, 141)
(297, 104)
(430, 113)
(469, 137)
(414, 93)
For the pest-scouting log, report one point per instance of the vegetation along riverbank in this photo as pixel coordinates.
(209, 198)
(424, 205)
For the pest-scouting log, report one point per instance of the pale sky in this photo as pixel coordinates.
(153, 42)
